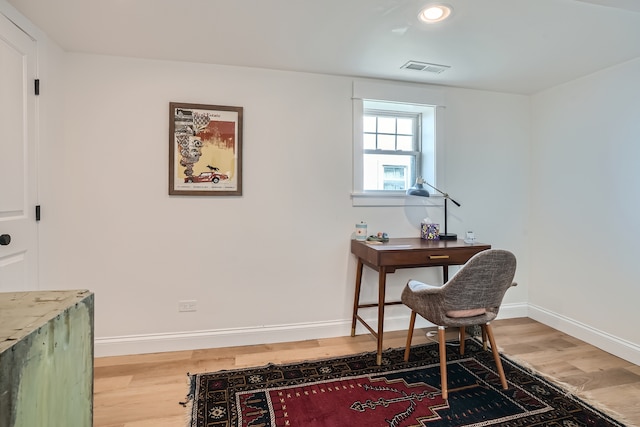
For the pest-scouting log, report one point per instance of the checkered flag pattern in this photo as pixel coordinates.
(200, 121)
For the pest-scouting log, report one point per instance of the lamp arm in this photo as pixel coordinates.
(441, 192)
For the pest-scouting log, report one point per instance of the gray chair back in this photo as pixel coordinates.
(480, 284)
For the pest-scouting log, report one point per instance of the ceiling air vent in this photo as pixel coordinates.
(425, 66)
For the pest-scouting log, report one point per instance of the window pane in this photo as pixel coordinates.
(395, 177)
(369, 124)
(393, 185)
(388, 171)
(386, 125)
(369, 141)
(405, 143)
(386, 142)
(405, 126)
(394, 172)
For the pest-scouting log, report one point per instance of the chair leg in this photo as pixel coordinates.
(412, 323)
(496, 356)
(484, 337)
(443, 362)
(462, 337)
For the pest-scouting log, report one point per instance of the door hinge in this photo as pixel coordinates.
(37, 212)
(36, 87)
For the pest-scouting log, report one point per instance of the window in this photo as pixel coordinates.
(394, 140)
(391, 149)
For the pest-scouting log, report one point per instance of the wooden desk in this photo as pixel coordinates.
(403, 253)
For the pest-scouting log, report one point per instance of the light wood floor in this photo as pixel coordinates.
(144, 390)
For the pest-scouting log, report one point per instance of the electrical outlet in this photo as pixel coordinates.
(187, 305)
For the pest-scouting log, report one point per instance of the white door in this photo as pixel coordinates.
(18, 186)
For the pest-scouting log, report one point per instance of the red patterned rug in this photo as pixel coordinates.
(353, 391)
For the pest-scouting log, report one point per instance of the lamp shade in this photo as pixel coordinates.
(418, 189)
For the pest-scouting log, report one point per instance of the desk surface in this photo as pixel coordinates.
(415, 252)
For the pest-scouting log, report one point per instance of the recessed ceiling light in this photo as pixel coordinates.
(435, 13)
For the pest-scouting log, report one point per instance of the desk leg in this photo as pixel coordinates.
(445, 273)
(356, 299)
(382, 283)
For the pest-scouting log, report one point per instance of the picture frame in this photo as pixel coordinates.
(205, 150)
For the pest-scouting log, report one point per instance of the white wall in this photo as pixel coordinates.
(273, 264)
(585, 205)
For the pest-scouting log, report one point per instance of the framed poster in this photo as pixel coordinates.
(205, 150)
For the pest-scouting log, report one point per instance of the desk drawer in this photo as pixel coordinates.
(447, 256)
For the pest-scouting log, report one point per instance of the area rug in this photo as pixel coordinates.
(353, 391)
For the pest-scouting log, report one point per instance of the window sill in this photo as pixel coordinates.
(393, 199)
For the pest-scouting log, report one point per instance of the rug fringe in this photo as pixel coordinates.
(190, 397)
(568, 389)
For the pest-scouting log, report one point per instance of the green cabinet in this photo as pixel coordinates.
(46, 359)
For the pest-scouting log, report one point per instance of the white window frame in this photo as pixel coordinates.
(410, 97)
(378, 110)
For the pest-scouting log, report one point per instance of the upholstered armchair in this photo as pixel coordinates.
(471, 297)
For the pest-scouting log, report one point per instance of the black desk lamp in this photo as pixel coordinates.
(419, 190)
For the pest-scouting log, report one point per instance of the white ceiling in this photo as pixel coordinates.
(517, 46)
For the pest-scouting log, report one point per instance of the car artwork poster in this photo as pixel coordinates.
(205, 150)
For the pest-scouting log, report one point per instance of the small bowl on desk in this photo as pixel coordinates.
(379, 238)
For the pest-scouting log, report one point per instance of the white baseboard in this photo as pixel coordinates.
(193, 340)
(611, 344)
